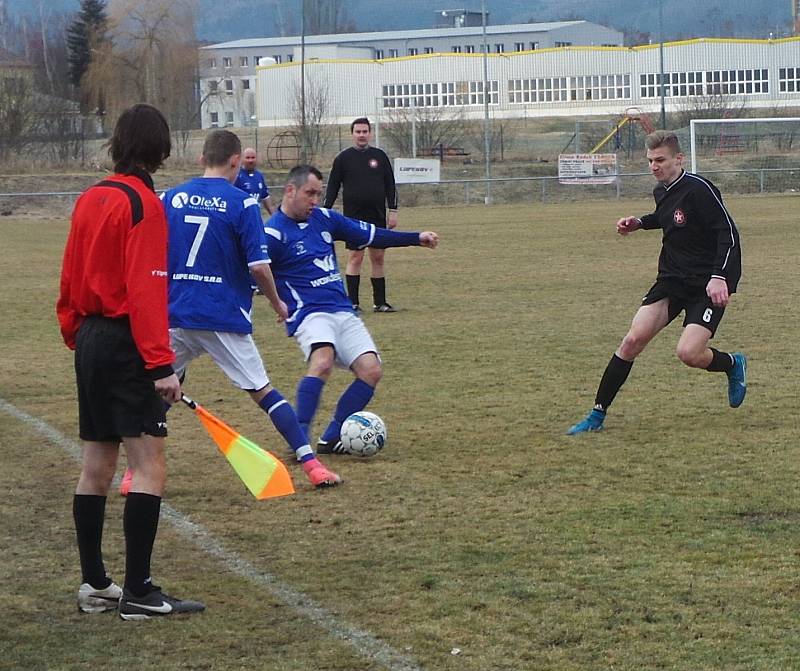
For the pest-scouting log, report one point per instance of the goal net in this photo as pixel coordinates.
(747, 155)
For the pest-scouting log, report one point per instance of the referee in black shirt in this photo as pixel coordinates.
(366, 174)
(698, 270)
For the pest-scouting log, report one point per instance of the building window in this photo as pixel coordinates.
(289, 58)
(456, 49)
(789, 80)
(246, 84)
(214, 119)
(443, 94)
(229, 87)
(229, 118)
(394, 53)
(413, 51)
(276, 58)
(600, 87)
(709, 82)
(540, 90)
(563, 44)
(428, 50)
(378, 54)
(213, 86)
(243, 61)
(226, 62)
(211, 63)
(519, 46)
(470, 49)
(534, 46)
(499, 48)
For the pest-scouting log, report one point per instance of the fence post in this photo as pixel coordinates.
(544, 191)
(466, 193)
(761, 180)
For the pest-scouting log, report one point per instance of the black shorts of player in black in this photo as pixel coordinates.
(692, 300)
(116, 397)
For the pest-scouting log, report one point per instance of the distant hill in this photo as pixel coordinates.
(639, 20)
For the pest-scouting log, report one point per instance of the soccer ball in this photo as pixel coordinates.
(363, 434)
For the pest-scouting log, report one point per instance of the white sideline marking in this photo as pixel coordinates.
(364, 643)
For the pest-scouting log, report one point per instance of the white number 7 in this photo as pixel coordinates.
(198, 239)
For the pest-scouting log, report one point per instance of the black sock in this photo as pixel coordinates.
(89, 511)
(613, 378)
(353, 282)
(379, 290)
(721, 362)
(140, 522)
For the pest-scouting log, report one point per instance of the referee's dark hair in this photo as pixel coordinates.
(219, 146)
(140, 141)
(298, 175)
(361, 119)
(663, 138)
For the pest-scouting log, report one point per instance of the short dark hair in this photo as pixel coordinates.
(219, 146)
(361, 119)
(298, 175)
(140, 140)
(663, 138)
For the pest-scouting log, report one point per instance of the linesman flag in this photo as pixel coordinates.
(261, 472)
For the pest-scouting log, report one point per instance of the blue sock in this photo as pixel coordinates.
(284, 419)
(309, 391)
(354, 398)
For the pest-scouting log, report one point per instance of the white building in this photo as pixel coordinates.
(227, 71)
(543, 82)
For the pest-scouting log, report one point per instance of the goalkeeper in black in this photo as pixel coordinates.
(698, 269)
(366, 176)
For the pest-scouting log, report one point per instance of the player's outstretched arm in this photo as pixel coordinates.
(428, 239)
(628, 225)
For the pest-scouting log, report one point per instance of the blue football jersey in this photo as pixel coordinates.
(304, 261)
(252, 183)
(215, 236)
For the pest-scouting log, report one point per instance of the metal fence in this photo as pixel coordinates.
(502, 190)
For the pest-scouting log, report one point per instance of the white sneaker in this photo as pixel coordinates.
(91, 600)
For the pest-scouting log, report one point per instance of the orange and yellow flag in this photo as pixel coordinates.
(263, 474)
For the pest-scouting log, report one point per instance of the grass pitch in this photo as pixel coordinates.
(481, 538)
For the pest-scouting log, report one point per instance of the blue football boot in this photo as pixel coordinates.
(593, 422)
(737, 380)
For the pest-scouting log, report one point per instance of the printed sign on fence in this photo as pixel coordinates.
(587, 168)
(416, 170)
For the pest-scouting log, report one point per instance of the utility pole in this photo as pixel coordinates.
(303, 134)
(661, 61)
(487, 159)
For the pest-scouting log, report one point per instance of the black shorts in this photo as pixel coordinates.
(116, 397)
(694, 300)
(378, 224)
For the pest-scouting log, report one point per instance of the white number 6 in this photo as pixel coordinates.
(707, 315)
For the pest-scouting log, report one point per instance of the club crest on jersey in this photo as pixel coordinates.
(299, 248)
(679, 217)
(327, 237)
(373, 163)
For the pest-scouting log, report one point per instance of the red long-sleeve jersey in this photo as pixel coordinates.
(115, 265)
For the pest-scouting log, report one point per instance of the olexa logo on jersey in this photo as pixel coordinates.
(182, 199)
(679, 217)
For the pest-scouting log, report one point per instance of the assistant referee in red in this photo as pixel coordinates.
(112, 310)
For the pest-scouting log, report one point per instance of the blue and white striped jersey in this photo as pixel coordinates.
(215, 236)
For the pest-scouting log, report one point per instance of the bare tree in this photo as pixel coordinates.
(151, 56)
(17, 114)
(310, 112)
(429, 127)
